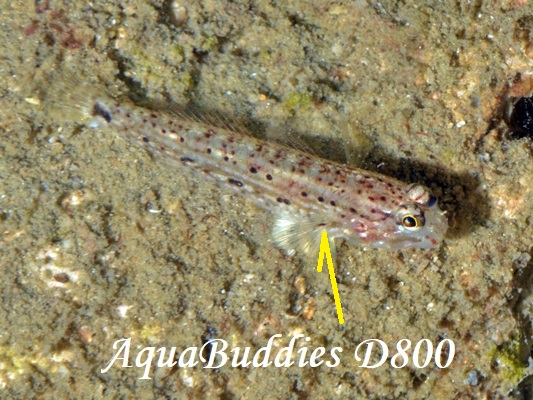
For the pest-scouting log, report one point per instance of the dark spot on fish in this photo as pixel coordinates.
(145, 139)
(253, 170)
(269, 177)
(252, 155)
(180, 126)
(332, 203)
(370, 198)
(102, 112)
(304, 194)
(330, 184)
(383, 198)
(153, 124)
(186, 159)
(235, 182)
(373, 211)
(226, 158)
(145, 120)
(153, 115)
(182, 139)
(359, 191)
(128, 115)
(163, 131)
(321, 199)
(259, 147)
(353, 210)
(287, 201)
(432, 201)
(280, 200)
(208, 151)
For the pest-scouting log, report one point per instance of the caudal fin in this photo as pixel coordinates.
(67, 94)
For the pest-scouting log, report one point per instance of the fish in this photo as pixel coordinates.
(305, 193)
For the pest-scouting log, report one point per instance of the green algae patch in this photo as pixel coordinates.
(510, 363)
(297, 101)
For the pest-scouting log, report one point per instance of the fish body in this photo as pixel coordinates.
(307, 194)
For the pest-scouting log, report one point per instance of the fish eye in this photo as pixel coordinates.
(411, 222)
(410, 217)
(421, 195)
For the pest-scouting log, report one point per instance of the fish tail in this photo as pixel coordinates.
(68, 95)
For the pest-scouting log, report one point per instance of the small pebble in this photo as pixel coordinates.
(521, 121)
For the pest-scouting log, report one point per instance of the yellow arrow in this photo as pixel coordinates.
(324, 249)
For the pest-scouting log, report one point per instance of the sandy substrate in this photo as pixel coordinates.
(100, 242)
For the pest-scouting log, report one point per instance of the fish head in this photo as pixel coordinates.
(417, 222)
(414, 222)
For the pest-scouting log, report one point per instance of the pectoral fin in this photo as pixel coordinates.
(300, 234)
